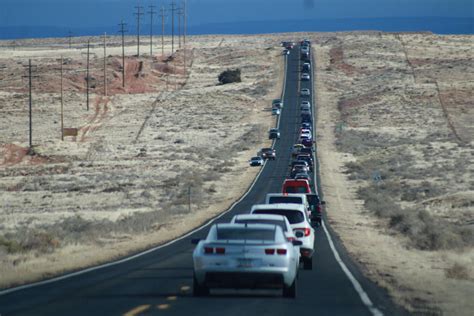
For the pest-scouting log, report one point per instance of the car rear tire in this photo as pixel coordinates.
(308, 263)
(290, 291)
(199, 289)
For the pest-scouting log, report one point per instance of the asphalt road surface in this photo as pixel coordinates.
(160, 282)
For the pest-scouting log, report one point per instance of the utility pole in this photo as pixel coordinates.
(162, 13)
(87, 73)
(180, 14)
(139, 13)
(122, 31)
(184, 38)
(70, 39)
(105, 64)
(173, 9)
(152, 12)
(62, 101)
(30, 84)
(185, 16)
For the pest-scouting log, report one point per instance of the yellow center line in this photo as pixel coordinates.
(137, 310)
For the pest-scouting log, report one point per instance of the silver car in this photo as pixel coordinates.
(305, 76)
(305, 92)
(245, 256)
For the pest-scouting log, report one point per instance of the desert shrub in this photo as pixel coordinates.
(457, 271)
(11, 246)
(424, 231)
(229, 76)
(39, 241)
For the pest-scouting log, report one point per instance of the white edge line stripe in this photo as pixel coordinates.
(70, 275)
(362, 294)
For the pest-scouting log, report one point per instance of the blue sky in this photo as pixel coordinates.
(75, 13)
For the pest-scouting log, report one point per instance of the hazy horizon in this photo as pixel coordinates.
(94, 14)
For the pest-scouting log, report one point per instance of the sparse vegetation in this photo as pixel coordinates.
(229, 76)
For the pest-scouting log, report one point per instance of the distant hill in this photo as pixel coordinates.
(436, 25)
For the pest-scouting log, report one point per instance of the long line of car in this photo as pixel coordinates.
(265, 248)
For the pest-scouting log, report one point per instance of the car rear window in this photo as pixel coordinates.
(285, 199)
(293, 217)
(245, 234)
(262, 221)
(293, 189)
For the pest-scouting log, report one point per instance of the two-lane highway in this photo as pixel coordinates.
(160, 281)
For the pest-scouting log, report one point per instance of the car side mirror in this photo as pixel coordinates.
(297, 243)
(299, 234)
(195, 241)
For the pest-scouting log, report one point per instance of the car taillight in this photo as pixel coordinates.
(306, 231)
(281, 251)
(290, 238)
(220, 251)
(269, 251)
(208, 250)
(319, 208)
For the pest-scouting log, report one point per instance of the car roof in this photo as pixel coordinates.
(286, 194)
(253, 226)
(279, 206)
(259, 216)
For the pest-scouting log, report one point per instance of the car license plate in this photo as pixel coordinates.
(244, 263)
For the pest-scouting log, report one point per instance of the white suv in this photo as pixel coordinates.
(299, 222)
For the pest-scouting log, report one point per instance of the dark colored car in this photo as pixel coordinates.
(306, 158)
(316, 206)
(306, 118)
(307, 142)
(268, 153)
(274, 133)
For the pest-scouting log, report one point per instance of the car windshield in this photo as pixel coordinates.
(285, 199)
(245, 234)
(294, 217)
(262, 221)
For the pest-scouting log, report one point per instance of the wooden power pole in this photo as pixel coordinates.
(62, 100)
(152, 13)
(173, 9)
(105, 64)
(139, 13)
(30, 104)
(123, 31)
(87, 74)
(162, 13)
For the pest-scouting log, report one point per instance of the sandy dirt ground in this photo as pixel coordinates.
(395, 116)
(150, 161)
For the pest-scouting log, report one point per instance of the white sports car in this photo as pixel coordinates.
(245, 256)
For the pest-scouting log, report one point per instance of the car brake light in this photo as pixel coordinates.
(269, 251)
(220, 251)
(290, 238)
(306, 231)
(208, 250)
(281, 251)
